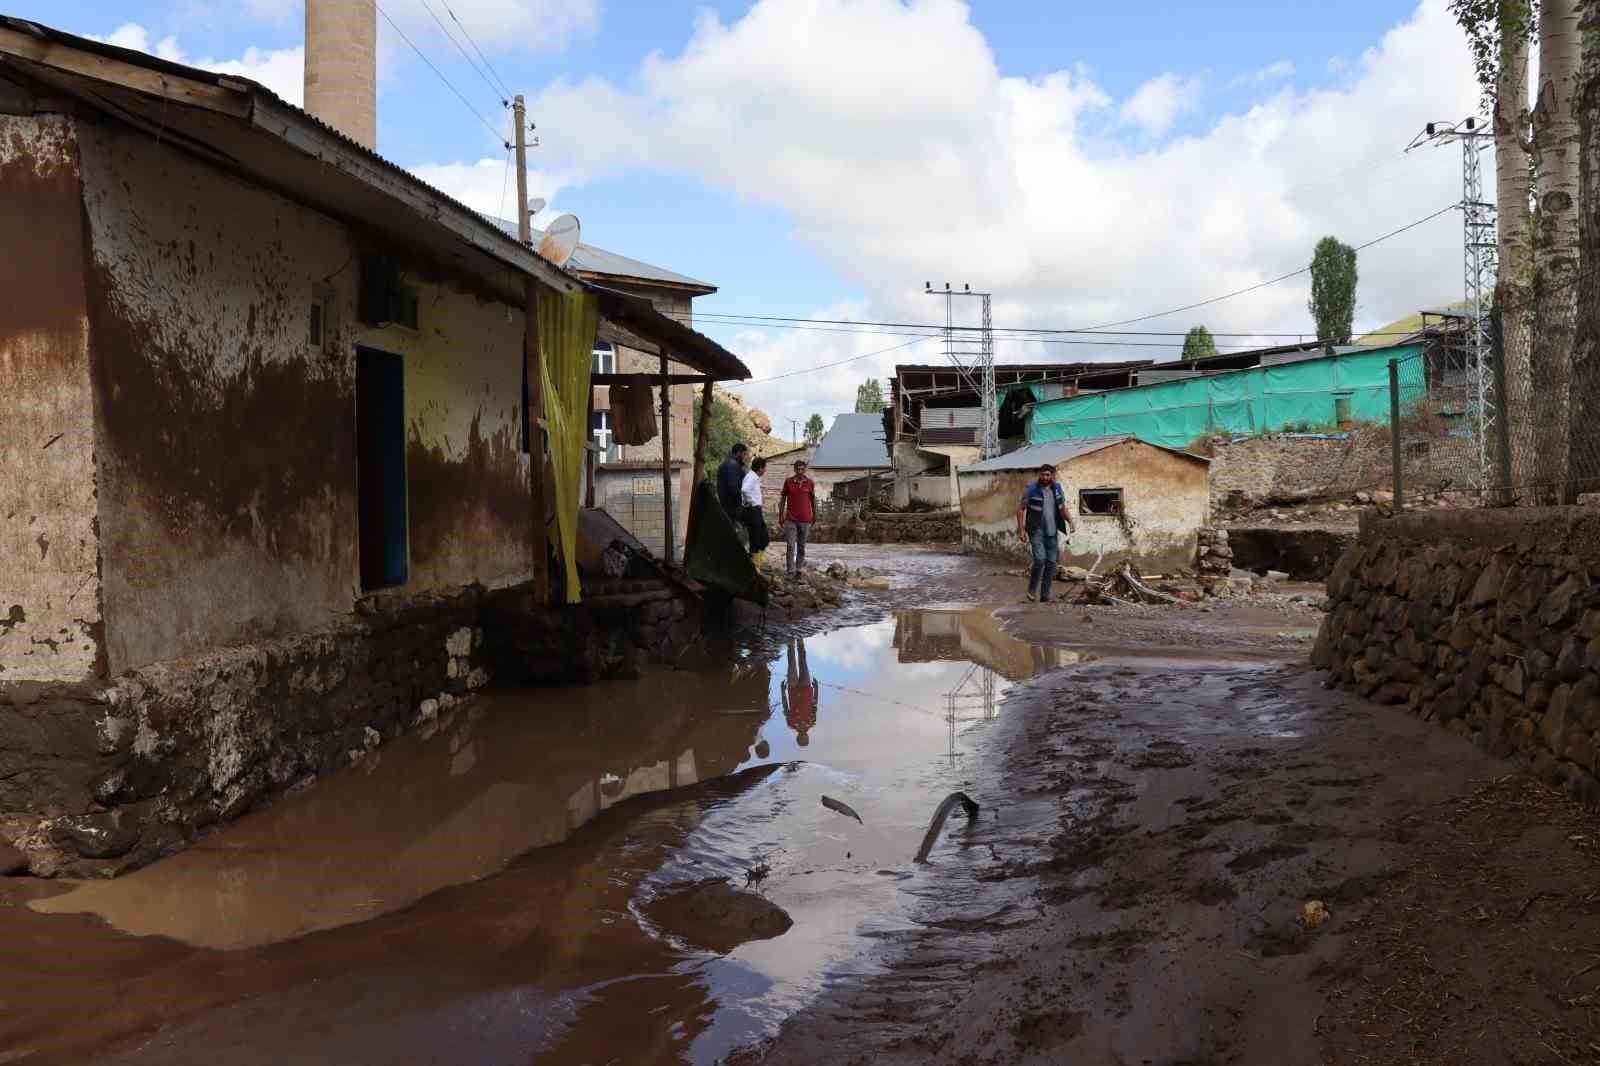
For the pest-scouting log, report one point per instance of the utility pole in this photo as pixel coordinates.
(532, 372)
(519, 115)
(983, 357)
(1479, 253)
(794, 429)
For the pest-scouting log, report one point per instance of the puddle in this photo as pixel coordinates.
(424, 878)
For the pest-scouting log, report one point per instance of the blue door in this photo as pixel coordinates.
(381, 467)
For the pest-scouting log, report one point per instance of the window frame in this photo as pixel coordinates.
(1119, 496)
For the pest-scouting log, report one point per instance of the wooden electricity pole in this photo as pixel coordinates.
(533, 396)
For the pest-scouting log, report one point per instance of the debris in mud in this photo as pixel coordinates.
(841, 808)
(949, 804)
(1313, 913)
(756, 874)
(714, 915)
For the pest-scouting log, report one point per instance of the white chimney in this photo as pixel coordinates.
(342, 66)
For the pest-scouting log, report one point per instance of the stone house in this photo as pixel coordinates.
(268, 392)
(852, 448)
(1133, 502)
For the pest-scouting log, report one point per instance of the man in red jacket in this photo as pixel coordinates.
(797, 509)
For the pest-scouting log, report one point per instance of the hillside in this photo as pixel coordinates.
(1401, 328)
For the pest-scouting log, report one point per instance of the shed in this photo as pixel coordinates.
(1132, 501)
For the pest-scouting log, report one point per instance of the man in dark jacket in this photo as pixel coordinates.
(1041, 515)
(730, 479)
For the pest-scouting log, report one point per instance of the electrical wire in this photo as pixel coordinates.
(1261, 285)
(497, 90)
(504, 88)
(459, 95)
(825, 366)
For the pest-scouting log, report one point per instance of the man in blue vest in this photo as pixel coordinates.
(1040, 517)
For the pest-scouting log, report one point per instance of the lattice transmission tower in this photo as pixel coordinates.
(959, 348)
(1480, 261)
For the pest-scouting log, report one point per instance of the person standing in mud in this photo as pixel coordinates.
(755, 515)
(801, 694)
(1041, 516)
(730, 480)
(797, 509)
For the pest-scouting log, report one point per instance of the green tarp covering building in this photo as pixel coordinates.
(1310, 394)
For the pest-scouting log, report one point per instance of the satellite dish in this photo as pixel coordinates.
(537, 204)
(560, 240)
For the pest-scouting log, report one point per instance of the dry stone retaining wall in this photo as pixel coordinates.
(1487, 622)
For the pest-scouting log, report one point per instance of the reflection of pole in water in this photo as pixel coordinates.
(984, 695)
(988, 693)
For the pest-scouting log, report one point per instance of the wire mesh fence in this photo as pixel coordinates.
(1506, 416)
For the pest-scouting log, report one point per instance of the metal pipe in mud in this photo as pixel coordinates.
(939, 816)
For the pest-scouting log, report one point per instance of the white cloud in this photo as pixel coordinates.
(281, 70)
(489, 186)
(1156, 105)
(1271, 72)
(886, 133)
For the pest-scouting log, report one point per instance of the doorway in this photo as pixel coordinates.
(381, 467)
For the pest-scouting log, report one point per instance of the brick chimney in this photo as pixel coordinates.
(342, 66)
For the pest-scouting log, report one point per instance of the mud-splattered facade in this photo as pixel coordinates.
(1131, 501)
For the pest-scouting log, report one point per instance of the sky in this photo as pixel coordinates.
(825, 159)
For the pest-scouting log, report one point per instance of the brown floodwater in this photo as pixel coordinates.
(481, 894)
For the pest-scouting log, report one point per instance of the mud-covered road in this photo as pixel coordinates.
(1161, 790)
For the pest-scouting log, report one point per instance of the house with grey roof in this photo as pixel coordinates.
(852, 449)
(1132, 502)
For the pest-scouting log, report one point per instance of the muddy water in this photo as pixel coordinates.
(480, 895)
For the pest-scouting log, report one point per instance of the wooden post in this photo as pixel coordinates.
(592, 457)
(534, 401)
(666, 457)
(699, 471)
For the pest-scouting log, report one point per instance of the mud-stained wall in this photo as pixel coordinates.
(50, 620)
(228, 500)
(1166, 500)
(470, 519)
(227, 472)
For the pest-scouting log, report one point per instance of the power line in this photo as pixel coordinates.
(1283, 277)
(497, 90)
(726, 318)
(440, 74)
(826, 366)
(734, 318)
(487, 65)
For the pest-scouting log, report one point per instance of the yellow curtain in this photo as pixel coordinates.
(567, 324)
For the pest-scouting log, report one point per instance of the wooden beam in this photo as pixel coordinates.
(173, 87)
(668, 533)
(676, 379)
(533, 398)
(707, 394)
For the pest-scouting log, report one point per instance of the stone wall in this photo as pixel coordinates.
(1487, 622)
(1287, 468)
(96, 780)
(912, 527)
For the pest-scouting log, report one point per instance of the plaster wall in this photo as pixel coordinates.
(1166, 500)
(50, 612)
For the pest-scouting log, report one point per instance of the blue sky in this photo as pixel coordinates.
(1087, 162)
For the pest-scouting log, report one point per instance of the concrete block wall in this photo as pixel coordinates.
(1487, 622)
(632, 495)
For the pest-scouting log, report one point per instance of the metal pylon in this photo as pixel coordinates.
(1479, 254)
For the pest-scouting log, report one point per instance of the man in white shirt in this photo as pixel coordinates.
(755, 519)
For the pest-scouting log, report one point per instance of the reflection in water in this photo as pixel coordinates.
(802, 696)
(541, 953)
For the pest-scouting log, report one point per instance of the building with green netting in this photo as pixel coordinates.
(1298, 394)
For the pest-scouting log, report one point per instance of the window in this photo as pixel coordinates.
(605, 358)
(381, 468)
(316, 324)
(321, 324)
(600, 433)
(1100, 501)
(386, 300)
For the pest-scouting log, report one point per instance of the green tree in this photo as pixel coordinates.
(1333, 290)
(722, 433)
(869, 397)
(1197, 343)
(814, 430)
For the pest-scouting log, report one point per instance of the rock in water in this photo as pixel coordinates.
(716, 916)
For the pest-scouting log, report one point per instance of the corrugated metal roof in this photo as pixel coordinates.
(1056, 452)
(588, 259)
(855, 442)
